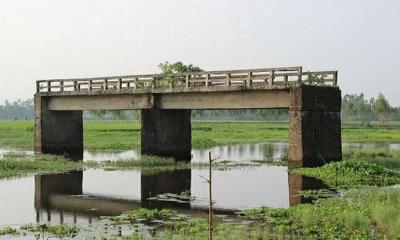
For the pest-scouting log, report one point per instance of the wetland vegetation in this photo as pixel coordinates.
(364, 204)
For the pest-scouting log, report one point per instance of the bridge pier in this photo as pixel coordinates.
(315, 125)
(167, 133)
(58, 132)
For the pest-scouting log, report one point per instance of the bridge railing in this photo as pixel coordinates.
(247, 77)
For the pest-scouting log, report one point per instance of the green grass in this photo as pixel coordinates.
(121, 135)
(57, 230)
(385, 157)
(7, 231)
(20, 164)
(142, 215)
(371, 213)
(352, 173)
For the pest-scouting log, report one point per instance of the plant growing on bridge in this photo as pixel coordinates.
(316, 78)
(169, 69)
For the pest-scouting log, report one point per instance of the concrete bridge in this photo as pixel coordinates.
(312, 98)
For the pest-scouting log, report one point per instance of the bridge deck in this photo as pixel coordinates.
(211, 81)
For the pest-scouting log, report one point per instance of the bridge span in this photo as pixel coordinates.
(312, 98)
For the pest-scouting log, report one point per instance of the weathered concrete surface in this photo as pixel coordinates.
(101, 102)
(271, 99)
(58, 132)
(167, 133)
(235, 99)
(315, 125)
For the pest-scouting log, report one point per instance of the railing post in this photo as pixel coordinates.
(249, 79)
(286, 78)
(335, 76)
(37, 86)
(300, 74)
(48, 86)
(228, 79)
(105, 84)
(74, 85)
(61, 86)
(119, 84)
(90, 88)
(271, 81)
(136, 81)
(207, 79)
(187, 80)
(153, 82)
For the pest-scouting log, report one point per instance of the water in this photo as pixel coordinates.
(83, 196)
(235, 152)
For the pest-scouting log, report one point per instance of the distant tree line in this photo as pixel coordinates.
(355, 107)
(19, 109)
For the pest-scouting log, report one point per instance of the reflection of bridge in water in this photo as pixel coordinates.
(60, 198)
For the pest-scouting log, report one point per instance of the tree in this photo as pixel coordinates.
(168, 69)
(177, 67)
(381, 108)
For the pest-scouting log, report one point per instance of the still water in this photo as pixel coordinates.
(83, 196)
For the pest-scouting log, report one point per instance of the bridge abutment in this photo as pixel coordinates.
(58, 132)
(167, 133)
(315, 125)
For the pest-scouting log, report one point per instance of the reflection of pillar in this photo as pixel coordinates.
(175, 182)
(299, 183)
(66, 183)
(295, 186)
(58, 132)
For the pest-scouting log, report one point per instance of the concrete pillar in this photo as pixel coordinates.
(167, 133)
(58, 132)
(315, 125)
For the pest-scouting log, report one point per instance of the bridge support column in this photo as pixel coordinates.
(167, 133)
(58, 132)
(315, 125)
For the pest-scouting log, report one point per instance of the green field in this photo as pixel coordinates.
(121, 135)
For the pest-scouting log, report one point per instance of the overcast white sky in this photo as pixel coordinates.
(42, 39)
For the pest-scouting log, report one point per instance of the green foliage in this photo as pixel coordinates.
(370, 213)
(177, 67)
(20, 164)
(381, 108)
(316, 78)
(197, 229)
(7, 231)
(355, 107)
(57, 230)
(19, 109)
(142, 215)
(169, 69)
(352, 174)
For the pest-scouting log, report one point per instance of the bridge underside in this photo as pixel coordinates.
(314, 115)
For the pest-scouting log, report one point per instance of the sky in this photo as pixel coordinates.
(41, 39)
